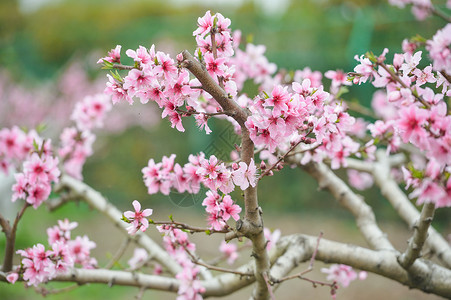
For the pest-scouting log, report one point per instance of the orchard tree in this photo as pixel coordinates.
(292, 121)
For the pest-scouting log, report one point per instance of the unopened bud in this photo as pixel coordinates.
(263, 165)
(180, 57)
(235, 166)
(234, 155)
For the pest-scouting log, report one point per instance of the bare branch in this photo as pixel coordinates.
(119, 253)
(405, 209)
(416, 242)
(97, 201)
(11, 238)
(366, 221)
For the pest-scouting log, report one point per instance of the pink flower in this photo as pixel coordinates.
(214, 66)
(229, 209)
(140, 256)
(141, 55)
(137, 218)
(360, 180)
(271, 238)
(230, 251)
(410, 124)
(342, 274)
(114, 56)
(245, 175)
(205, 23)
(201, 121)
(12, 277)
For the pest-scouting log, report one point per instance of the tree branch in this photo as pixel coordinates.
(252, 225)
(365, 219)
(429, 277)
(416, 242)
(97, 201)
(405, 209)
(10, 233)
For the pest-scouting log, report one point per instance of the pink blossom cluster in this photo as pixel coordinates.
(155, 77)
(343, 274)
(421, 9)
(215, 28)
(252, 64)
(40, 265)
(212, 173)
(220, 210)
(76, 142)
(289, 116)
(139, 258)
(15, 146)
(413, 112)
(75, 148)
(33, 184)
(177, 245)
(137, 219)
(230, 251)
(439, 49)
(91, 111)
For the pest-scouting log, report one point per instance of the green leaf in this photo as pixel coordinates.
(343, 90)
(250, 38)
(208, 232)
(35, 145)
(371, 57)
(266, 95)
(107, 65)
(170, 218)
(418, 39)
(41, 127)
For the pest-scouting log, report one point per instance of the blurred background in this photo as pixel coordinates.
(48, 54)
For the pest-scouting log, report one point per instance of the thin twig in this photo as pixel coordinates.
(268, 285)
(198, 261)
(44, 291)
(282, 158)
(119, 253)
(123, 67)
(11, 239)
(397, 79)
(191, 229)
(439, 14)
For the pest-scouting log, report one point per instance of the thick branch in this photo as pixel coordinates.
(252, 226)
(416, 242)
(406, 210)
(97, 201)
(366, 221)
(427, 277)
(10, 233)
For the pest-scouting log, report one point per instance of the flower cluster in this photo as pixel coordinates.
(212, 173)
(220, 210)
(230, 251)
(343, 274)
(34, 183)
(91, 111)
(421, 9)
(76, 142)
(413, 113)
(178, 246)
(15, 146)
(40, 265)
